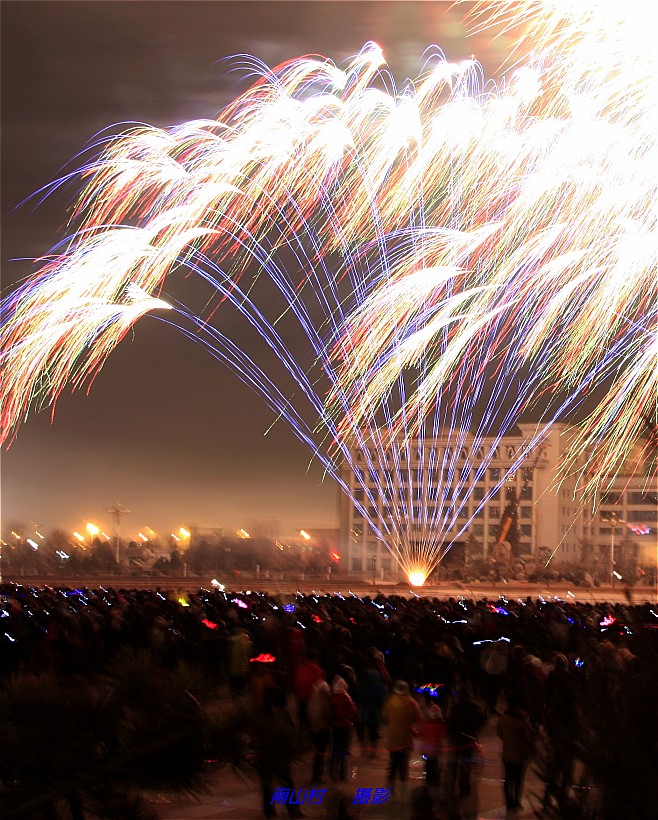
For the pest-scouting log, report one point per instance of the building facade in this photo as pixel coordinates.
(622, 534)
(439, 493)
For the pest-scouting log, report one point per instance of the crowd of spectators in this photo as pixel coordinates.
(385, 671)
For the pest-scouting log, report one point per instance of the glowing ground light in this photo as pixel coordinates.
(417, 579)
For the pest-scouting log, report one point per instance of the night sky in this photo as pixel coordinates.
(165, 431)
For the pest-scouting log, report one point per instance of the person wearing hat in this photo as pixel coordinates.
(401, 713)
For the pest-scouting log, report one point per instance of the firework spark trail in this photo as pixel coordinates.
(572, 252)
(62, 340)
(483, 217)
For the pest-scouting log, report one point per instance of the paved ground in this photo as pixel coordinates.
(234, 798)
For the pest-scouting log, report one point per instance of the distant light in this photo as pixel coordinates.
(92, 529)
(142, 536)
(639, 529)
(335, 556)
(240, 603)
(105, 536)
(305, 535)
(243, 534)
(263, 658)
(216, 584)
(78, 536)
(183, 601)
(184, 533)
(33, 544)
(174, 536)
(38, 534)
(431, 689)
(62, 554)
(617, 575)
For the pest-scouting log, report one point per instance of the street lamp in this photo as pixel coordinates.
(614, 519)
(117, 511)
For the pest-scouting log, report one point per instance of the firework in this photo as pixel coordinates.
(57, 337)
(441, 238)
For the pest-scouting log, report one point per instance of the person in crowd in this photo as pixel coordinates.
(422, 805)
(519, 737)
(344, 714)
(560, 723)
(320, 716)
(239, 653)
(401, 714)
(431, 737)
(275, 744)
(464, 724)
(373, 694)
(493, 662)
(307, 674)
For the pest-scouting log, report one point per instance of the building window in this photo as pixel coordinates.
(386, 564)
(526, 493)
(649, 516)
(357, 564)
(638, 498)
(610, 498)
(494, 474)
(477, 529)
(526, 512)
(526, 529)
(493, 530)
(478, 493)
